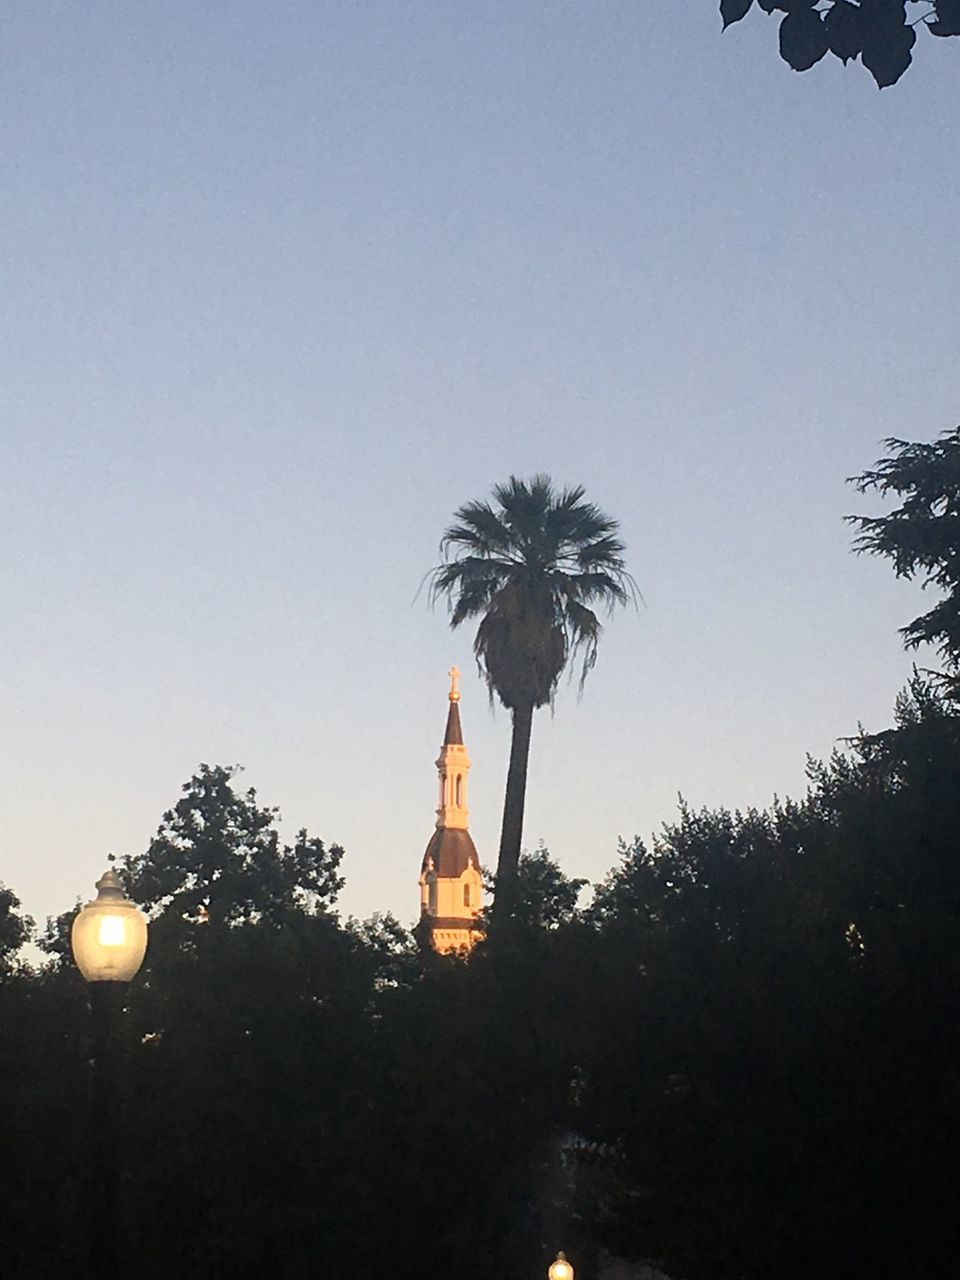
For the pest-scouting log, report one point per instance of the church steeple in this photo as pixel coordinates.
(453, 765)
(451, 886)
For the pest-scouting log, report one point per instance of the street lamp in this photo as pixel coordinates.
(109, 936)
(109, 939)
(560, 1268)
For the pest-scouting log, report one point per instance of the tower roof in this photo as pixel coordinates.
(452, 850)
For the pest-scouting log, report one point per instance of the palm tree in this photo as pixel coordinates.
(530, 567)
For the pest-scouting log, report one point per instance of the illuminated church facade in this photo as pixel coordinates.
(451, 885)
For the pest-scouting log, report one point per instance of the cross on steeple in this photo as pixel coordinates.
(454, 674)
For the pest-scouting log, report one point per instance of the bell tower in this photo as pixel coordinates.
(451, 886)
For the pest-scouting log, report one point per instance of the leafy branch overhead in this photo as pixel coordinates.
(881, 33)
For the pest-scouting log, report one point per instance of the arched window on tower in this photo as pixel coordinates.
(466, 895)
(459, 800)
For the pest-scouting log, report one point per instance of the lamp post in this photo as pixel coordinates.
(109, 939)
(560, 1268)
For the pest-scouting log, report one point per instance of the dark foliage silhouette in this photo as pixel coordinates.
(881, 33)
(921, 537)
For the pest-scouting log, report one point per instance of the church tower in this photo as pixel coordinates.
(450, 881)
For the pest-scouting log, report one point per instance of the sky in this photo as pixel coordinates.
(281, 285)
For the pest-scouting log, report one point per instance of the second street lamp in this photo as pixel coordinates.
(560, 1268)
(109, 940)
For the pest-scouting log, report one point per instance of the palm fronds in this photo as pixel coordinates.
(532, 566)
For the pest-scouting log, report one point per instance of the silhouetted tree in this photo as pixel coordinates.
(545, 897)
(739, 1060)
(782, 992)
(44, 1055)
(15, 928)
(529, 567)
(881, 33)
(922, 536)
(217, 859)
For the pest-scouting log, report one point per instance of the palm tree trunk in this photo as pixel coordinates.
(511, 832)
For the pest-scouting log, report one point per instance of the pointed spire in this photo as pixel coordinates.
(453, 735)
(453, 763)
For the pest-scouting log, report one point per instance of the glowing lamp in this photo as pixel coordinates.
(560, 1269)
(109, 936)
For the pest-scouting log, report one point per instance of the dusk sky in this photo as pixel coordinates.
(283, 284)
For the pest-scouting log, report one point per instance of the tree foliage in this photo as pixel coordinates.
(546, 898)
(217, 858)
(15, 928)
(881, 33)
(297, 1088)
(781, 990)
(921, 537)
(739, 1060)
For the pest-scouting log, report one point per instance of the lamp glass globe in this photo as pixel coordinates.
(109, 936)
(560, 1269)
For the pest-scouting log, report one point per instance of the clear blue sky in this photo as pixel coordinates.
(282, 284)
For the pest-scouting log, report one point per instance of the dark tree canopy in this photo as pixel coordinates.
(780, 989)
(217, 857)
(15, 928)
(881, 33)
(740, 1062)
(546, 898)
(921, 537)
